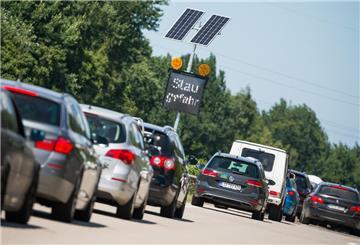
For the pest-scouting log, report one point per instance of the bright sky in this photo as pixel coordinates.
(304, 52)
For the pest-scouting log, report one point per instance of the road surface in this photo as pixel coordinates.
(206, 225)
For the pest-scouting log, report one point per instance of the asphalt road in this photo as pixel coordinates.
(206, 225)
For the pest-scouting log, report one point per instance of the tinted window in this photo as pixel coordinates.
(38, 109)
(301, 183)
(234, 166)
(75, 119)
(342, 193)
(266, 159)
(8, 114)
(290, 183)
(136, 137)
(162, 142)
(114, 132)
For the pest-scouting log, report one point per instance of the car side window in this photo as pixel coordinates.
(75, 119)
(139, 137)
(8, 114)
(133, 137)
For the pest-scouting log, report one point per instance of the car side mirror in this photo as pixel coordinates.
(270, 182)
(200, 166)
(192, 160)
(37, 135)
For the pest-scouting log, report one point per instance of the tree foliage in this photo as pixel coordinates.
(97, 52)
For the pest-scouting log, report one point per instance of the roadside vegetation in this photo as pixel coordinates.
(97, 52)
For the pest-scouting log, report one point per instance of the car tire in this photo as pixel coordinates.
(85, 215)
(179, 212)
(303, 219)
(65, 211)
(197, 201)
(275, 213)
(258, 215)
(139, 212)
(126, 211)
(290, 218)
(23, 215)
(355, 232)
(169, 211)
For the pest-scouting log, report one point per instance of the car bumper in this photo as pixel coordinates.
(54, 188)
(247, 202)
(114, 191)
(333, 217)
(160, 195)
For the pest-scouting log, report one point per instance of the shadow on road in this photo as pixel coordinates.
(157, 214)
(90, 224)
(232, 212)
(102, 212)
(5, 223)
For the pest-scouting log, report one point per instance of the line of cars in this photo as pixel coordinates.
(67, 156)
(256, 178)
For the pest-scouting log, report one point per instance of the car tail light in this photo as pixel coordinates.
(254, 183)
(274, 193)
(19, 90)
(163, 162)
(126, 156)
(209, 172)
(291, 193)
(355, 209)
(316, 199)
(60, 145)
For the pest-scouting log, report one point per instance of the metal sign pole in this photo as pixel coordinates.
(188, 69)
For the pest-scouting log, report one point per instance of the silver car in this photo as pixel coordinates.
(127, 173)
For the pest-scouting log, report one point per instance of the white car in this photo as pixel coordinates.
(275, 163)
(314, 180)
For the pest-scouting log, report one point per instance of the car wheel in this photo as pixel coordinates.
(303, 219)
(355, 232)
(290, 218)
(275, 213)
(258, 215)
(85, 215)
(169, 211)
(179, 212)
(197, 201)
(126, 211)
(139, 212)
(23, 215)
(65, 211)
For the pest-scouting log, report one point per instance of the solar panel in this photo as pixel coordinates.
(183, 25)
(211, 28)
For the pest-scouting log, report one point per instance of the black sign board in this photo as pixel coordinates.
(184, 92)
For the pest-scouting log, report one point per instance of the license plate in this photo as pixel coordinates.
(230, 186)
(335, 207)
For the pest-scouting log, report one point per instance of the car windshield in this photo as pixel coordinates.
(340, 192)
(161, 142)
(234, 166)
(114, 132)
(38, 109)
(266, 159)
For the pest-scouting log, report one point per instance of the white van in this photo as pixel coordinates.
(275, 163)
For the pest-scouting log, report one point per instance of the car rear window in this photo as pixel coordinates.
(114, 132)
(161, 141)
(234, 166)
(266, 159)
(38, 109)
(339, 192)
(301, 183)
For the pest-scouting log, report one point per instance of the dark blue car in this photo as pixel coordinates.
(291, 201)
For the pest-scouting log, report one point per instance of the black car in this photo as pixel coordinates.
(303, 186)
(19, 171)
(170, 182)
(59, 136)
(235, 182)
(333, 204)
